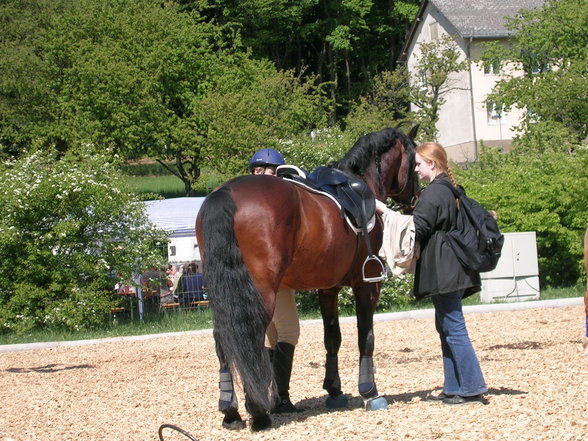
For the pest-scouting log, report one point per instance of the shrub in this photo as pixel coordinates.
(328, 145)
(395, 294)
(66, 227)
(541, 187)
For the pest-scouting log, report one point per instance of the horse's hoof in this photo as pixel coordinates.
(378, 403)
(263, 422)
(233, 421)
(235, 425)
(339, 402)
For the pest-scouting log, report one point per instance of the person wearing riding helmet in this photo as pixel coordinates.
(284, 330)
(265, 162)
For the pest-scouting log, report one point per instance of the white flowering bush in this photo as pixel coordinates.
(67, 228)
(319, 147)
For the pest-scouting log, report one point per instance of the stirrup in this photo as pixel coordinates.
(383, 273)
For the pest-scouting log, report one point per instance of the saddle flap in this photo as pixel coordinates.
(323, 176)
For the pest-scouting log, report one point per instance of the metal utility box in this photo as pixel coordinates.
(516, 277)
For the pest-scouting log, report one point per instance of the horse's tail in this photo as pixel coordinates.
(239, 316)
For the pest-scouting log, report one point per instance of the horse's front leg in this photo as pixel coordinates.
(332, 340)
(366, 298)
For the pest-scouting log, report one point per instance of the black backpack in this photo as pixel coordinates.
(476, 239)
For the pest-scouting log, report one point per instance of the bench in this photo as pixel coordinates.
(115, 314)
(170, 305)
(176, 305)
(200, 304)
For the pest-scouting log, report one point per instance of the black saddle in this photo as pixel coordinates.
(353, 195)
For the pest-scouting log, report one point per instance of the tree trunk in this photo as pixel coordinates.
(334, 84)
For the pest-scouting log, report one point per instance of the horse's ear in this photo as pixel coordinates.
(413, 132)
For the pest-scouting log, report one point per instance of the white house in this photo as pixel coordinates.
(177, 216)
(466, 119)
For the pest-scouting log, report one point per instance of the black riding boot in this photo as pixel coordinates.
(283, 358)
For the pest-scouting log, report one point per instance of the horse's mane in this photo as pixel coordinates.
(369, 149)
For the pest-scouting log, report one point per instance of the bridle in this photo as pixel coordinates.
(407, 205)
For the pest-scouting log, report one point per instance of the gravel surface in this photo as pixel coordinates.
(125, 389)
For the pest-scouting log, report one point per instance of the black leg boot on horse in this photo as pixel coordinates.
(283, 358)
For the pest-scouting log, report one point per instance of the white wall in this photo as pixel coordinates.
(457, 124)
(183, 249)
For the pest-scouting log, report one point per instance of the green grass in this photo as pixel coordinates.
(165, 186)
(181, 321)
(173, 321)
(153, 178)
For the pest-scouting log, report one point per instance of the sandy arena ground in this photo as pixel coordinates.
(124, 390)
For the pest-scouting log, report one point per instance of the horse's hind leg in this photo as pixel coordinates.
(332, 339)
(227, 402)
(260, 418)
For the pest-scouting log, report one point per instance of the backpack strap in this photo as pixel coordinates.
(457, 192)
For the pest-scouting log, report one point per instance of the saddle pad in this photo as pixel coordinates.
(371, 222)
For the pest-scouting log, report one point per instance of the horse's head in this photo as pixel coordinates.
(400, 172)
(386, 161)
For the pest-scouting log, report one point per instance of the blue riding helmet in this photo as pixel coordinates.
(265, 157)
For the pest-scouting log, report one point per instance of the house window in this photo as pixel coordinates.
(532, 117)
(494, 113)
(172, 250)
(434, 31)
(539, 68)
(422, 81)
(492, 67)
(537, 64)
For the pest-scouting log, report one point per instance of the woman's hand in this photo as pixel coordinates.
(381, 207)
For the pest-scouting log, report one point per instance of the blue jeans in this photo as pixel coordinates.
(461, 369)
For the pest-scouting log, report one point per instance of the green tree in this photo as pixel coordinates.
(24, 94)
(66, 226)
(238, 120)
(345, 43)
(385, 105)
(388, 101)
(100, 70)
(434, 77)
(549, 47)
(147, 79)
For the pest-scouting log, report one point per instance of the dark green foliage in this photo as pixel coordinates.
(542, 189)
(395, 294)
(68, 232)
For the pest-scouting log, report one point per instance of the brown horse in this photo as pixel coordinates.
(586, 295)
(261, 233)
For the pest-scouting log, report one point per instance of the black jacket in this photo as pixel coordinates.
(438, 271)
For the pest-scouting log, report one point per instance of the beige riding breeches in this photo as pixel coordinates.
(285, 326)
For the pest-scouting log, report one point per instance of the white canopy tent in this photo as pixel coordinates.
(177, 216)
